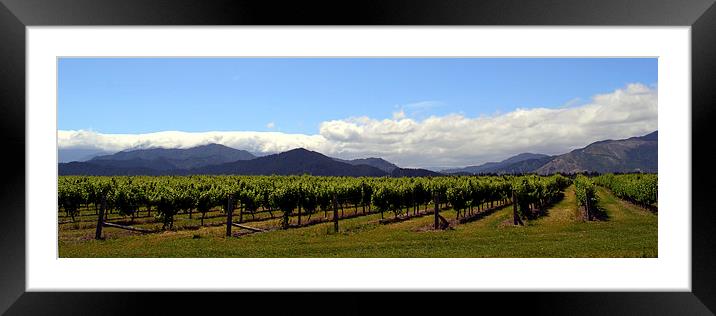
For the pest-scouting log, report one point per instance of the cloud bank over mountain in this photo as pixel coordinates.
(449, 140)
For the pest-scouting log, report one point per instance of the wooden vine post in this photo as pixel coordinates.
(514, 208)
(515, 217)
(100, 218)
(229, 213)
(335, 213)
(437, 209)
(299, 212)
(588, 210)
(241, 213)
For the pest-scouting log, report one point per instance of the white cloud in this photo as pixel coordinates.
(270, 125)
(251, 141)
(450, 140)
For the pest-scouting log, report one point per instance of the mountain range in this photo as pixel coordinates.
(219, 159)
(295, 161)
(155, 161)
(509, 164)
(636, 154)
(379, 163)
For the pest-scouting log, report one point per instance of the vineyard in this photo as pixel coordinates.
(585, 192)
(145, 205)
(640, 189)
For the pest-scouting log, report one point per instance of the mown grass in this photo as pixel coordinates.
(628, 232)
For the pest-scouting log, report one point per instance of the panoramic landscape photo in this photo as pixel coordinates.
(357, 157)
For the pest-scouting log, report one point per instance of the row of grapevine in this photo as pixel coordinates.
(468, 193)
(585, 192)
(304, 195)
(535, 193)
(640, 189)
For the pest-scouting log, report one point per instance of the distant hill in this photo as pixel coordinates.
(292, 162)
(181, 158)
(635, 154)
(174, 158)
(408, 172)
(523, 162)
(524, 166)
(373, 162)
(155, 161)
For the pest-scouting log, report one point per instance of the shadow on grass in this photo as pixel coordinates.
(544, 211)
(482, 214)
(599, 213)
(402, 218)
(651, 208)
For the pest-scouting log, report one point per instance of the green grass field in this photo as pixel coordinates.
(629, 231)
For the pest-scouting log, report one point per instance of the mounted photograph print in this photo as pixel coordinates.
(345, 157)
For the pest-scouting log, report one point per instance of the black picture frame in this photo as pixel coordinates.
(16, 15)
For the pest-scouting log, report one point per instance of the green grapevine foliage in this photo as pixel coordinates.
(640, 189)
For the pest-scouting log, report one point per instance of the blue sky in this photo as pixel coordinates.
(294, 95)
